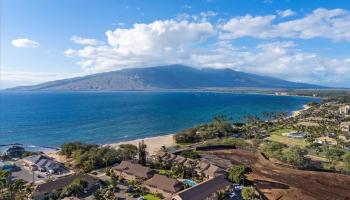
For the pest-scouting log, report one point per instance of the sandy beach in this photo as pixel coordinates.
(297, 112)
(153, 143)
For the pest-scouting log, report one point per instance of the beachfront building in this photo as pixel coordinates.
(345, 110)
(164, 185)
(131, 171)
(205, 190)
(43, 191)
(43, 164)
(13, 151)
(345, 126)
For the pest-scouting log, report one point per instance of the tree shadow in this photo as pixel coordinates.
(262, 184)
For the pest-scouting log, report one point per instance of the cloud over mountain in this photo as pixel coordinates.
(203, 41)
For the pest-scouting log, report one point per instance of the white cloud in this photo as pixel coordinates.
(248, 25)
(202, 44)
(84, 41)
(321, 23)
(286, 13)
(162, 42)
(24, 43)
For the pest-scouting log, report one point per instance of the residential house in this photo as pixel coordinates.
(13, 151)
(164, 185)
(345, 126)
(345, 110)
(204, 190)
(44, 190)
(179, 159)
(43, 163)
(213, 171)
(131, 171)
(326, 141)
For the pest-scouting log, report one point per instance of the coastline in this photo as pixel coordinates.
(154, 144)
(298, 112)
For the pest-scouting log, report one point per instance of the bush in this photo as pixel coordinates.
(190, 154)
(274, 149)
(249, 193)
(90, 156)
(296, 156)
(236, 174)
(218, 128)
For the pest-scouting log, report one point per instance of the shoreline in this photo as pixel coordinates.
(154, 144)
(298, 112)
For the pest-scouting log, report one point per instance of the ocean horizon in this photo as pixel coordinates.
(48, 119)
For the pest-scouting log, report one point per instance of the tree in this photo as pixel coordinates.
(142, 153)
(236, 174)
(346, 160)
(127, 151)
(249, 193)
(334, 154)
(75, 188)
(296, 156)
(273, 149)
(4, 178)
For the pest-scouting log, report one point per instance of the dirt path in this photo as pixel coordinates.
(278, 182)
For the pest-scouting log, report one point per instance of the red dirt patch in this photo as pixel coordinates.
(279, 182)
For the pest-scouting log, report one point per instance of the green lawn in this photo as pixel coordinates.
(151, 197)
(164, 172)
(288, 141)
(281, 131)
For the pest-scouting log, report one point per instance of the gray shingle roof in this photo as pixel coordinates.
(205, 189)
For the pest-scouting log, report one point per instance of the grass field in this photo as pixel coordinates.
(288, 141)
(281, 131)
(151, 197)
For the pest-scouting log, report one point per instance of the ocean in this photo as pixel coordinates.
(51, 118)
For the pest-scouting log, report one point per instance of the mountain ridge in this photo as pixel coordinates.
(164, 78)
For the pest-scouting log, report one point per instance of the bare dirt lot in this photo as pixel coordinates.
(278, 182)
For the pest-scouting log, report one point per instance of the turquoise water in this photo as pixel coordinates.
(189, 182)
(50, 119)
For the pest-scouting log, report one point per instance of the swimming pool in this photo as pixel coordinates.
(189, 182)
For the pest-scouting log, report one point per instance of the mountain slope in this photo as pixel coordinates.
(166, 77)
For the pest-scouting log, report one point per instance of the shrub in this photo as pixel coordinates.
(250, 193)
(237, 173)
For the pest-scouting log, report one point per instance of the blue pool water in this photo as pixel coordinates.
(50, 119)
(189, 182)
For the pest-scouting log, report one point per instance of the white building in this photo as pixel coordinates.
(345, 110)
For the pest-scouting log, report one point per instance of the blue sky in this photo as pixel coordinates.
(306, 42)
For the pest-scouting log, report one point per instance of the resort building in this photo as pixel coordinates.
(43, 191)
(164, 185)
(13, 151)
(43, 164)
(345, 110)
(345, 126)
(204, 190)
(130, 171)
